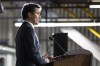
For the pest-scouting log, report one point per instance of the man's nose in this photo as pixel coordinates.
(39, 17)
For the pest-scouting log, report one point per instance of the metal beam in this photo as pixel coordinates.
(22, 0)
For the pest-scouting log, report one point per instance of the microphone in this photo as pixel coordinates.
(51, 38)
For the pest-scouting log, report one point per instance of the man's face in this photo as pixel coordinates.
(35, 17)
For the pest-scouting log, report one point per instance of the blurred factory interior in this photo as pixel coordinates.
(78, 18)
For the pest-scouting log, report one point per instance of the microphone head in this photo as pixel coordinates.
(51, 38)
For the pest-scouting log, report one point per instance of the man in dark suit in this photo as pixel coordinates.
(27, 43)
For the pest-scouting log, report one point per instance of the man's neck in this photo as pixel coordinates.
(28, 20)
(30, 23)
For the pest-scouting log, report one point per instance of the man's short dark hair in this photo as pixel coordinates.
(28, 7)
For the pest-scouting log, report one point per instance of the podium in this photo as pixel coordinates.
(78, 57)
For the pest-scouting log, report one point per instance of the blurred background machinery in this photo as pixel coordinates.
(80, 19)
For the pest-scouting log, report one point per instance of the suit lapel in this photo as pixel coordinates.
(36, 40)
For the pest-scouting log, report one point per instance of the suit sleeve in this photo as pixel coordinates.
(31, 48)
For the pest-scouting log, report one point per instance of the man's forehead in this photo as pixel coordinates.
(38, 9)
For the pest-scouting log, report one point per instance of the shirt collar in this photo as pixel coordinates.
(30, 23)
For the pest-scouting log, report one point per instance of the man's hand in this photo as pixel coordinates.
(45, 56)
(48, 58)
(52, 59)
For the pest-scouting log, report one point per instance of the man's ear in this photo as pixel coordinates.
(29, 14)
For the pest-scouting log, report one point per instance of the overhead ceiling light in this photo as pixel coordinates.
(94, 6)
(61, 24)
(9, 49)
(1, 8)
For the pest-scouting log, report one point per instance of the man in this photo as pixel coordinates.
(27, 44)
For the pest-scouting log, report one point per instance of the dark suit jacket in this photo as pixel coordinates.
(27, 47)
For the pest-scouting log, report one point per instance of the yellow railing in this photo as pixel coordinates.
(89, 28)
(90, 15)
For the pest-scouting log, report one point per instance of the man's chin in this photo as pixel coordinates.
(36, 23)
